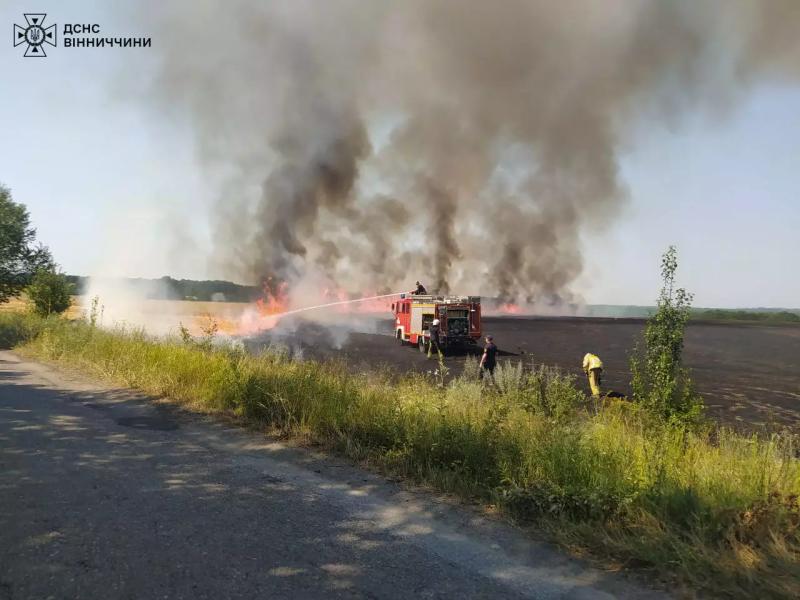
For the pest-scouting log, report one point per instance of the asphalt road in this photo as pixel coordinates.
(105, 494)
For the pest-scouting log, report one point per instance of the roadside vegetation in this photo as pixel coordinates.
(644, 483)
(26, 265)
(49, 293)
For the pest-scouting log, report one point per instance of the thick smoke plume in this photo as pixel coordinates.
(463, 142)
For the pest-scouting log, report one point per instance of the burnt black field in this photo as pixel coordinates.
(749, 375)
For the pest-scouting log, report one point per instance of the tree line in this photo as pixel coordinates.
(26, 264)
(167, 288)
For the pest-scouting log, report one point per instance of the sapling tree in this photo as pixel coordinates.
(659, 380)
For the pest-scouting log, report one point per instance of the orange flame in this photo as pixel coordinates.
(275, 304)
(509, 308)
(275, 300)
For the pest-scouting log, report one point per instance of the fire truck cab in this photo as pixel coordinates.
(459, 319)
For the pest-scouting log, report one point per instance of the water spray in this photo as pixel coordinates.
(328, 304)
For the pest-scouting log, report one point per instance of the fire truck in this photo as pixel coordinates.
(459, 320)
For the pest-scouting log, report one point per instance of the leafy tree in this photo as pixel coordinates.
(49, 293)
(20, 256)
(660, 381)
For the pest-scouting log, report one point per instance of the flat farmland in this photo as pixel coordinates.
(749, 374)
(21, 304)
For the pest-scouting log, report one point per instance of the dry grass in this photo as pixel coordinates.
(163, 316)
(14, 305)
(189, 308)
(178, 308)
(20, 304)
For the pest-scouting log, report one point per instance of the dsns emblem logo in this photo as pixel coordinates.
(35, 35)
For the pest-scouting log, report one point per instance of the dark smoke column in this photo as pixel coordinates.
(463, 142)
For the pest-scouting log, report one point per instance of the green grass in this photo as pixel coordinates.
(715, 510)
(17, 326)
(722, 314)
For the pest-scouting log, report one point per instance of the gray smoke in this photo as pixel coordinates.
(465, 143)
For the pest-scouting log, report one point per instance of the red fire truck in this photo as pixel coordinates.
(459, 319)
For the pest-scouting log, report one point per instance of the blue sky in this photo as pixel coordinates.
(726, 192)
(108, 182)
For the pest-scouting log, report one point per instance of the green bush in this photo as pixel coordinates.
(49, 293)
(539, 389)
(19, 327)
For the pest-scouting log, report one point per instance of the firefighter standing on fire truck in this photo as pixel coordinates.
(420, 290)
(593, 367)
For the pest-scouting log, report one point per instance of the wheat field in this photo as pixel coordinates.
(156, 315)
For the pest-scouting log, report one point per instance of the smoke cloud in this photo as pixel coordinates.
(465, 143)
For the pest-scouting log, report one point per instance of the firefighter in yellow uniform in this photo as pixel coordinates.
(593, 367)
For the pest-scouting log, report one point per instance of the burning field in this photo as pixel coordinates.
(311, 159)
(467, 144)
(746, 373)
(331, 305)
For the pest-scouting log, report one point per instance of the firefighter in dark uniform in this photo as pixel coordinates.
(420, 290)
(489, 358)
